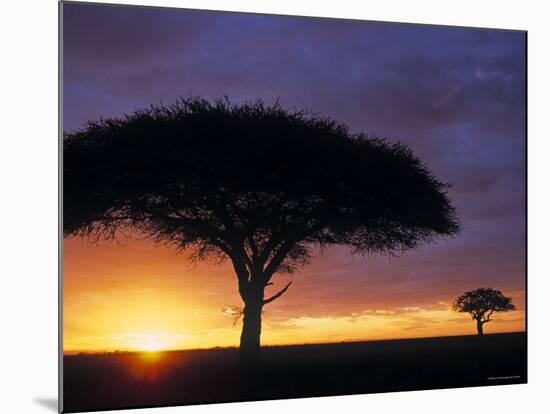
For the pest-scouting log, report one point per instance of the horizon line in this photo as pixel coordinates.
(137, 351)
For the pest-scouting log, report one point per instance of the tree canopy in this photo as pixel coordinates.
(482, 303)
(252, 180)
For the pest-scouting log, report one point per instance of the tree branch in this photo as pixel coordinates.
(243, 275)
(253, 248)
(277, 259)
(488, 317)
(278, 294)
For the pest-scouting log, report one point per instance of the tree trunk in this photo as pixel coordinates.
(249, 351)
(480, 328)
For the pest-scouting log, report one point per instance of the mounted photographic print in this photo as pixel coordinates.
(259, 207)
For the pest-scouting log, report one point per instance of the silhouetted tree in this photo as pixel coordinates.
(481, 304)
(257, 184)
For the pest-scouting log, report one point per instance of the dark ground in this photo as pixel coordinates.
(129, 380)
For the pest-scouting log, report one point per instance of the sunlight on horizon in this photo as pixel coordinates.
(368, 326)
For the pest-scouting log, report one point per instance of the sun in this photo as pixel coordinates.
(152, 345)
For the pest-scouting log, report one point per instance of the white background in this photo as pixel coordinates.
(28, 203)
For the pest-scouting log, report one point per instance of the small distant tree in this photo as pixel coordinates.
(257, 185)
(481, 304)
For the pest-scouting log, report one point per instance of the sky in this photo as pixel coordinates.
(456, 96)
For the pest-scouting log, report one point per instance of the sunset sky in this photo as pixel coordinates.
(455, 96)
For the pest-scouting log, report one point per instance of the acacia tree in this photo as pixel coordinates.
(253, 183)
(481, 304)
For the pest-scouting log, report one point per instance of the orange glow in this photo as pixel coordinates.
(140, 297)
(151, 357)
